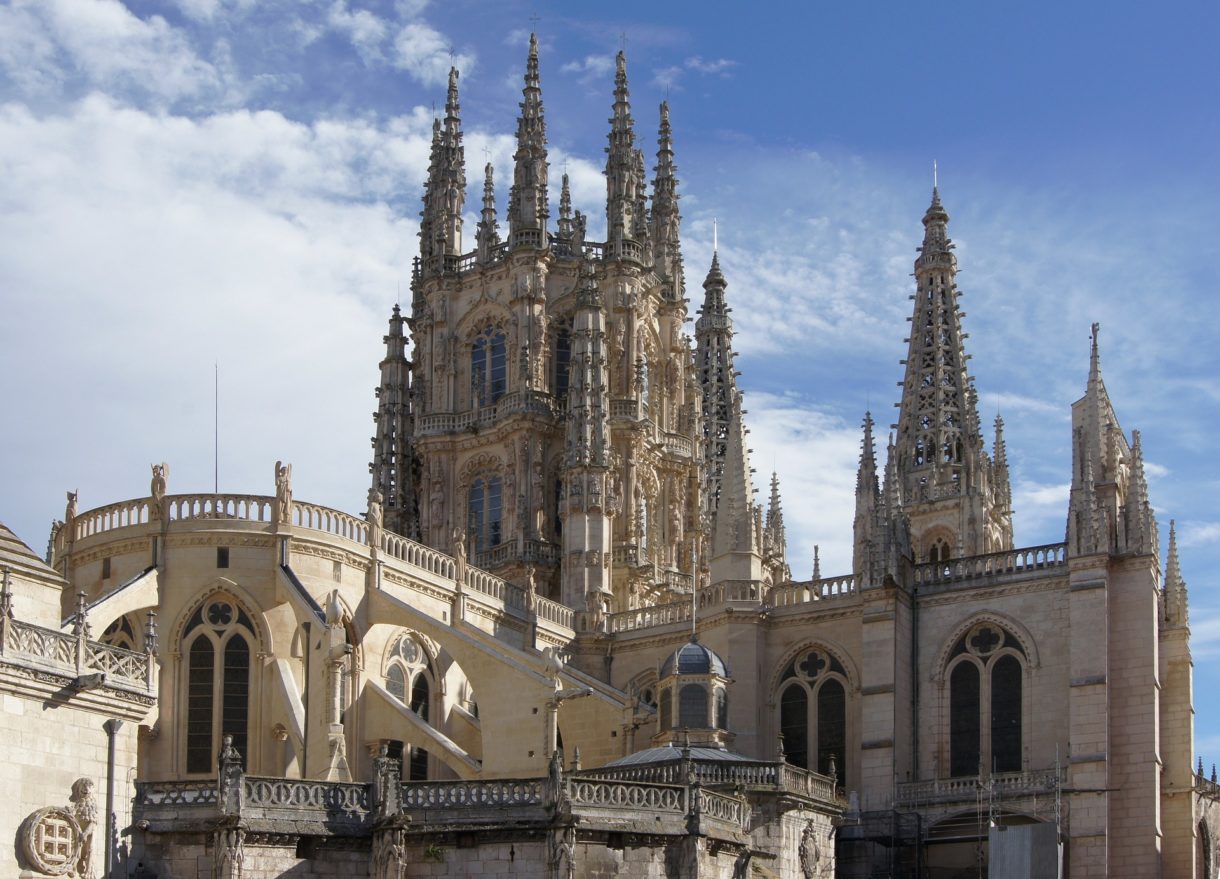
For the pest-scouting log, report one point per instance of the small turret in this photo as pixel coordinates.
(488, 233)
(565, 211)
(868, 502)
(1177, 612)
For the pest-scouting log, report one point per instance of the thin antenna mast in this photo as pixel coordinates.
(694, 591)
(216, 429)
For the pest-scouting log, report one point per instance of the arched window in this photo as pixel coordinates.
(1006, 715)
(488, 367)
(939, 550)
(484, 513)
(813, 713)
(216, 641)
(692, 706)
(409, 671)
(964, 719)
(794, 724)
(986, 690)
(722, 708)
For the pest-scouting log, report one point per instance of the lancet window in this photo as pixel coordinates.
(488, 367)
(216, 642)
(813, 713)
(485, 513)
(563, 360)
(410, 679)
(986, 674)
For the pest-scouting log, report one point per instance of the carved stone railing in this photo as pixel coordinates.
(417, 555)
(721, 807)
(123, 514)
(677, 444)
(328, 801)
(748, 775)
(791, 594)
(676, 580)
(528, 400)
(72, 655)
(554, 612)
(628, 795)
(246, 507)
(625, 409)
(1049, 558)
(648, 617)
(729, 590)
(968, 788)
(176, 793)
(319, 518)
(489, 584)
(440, 795)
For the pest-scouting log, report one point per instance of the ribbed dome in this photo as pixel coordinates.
(692, 658)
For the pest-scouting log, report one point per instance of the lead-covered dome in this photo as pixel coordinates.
(692, 658)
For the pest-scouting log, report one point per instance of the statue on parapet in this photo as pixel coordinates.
(283, 492)
(160, 477)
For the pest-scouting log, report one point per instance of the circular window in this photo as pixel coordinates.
(220, 613)
(408, 650)
(984, 639)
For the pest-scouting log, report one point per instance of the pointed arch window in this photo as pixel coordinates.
(488, 367)
(563, 360)
(485, 513)
(813, 713)
(216, 642)
(986, 702)
(411, 679)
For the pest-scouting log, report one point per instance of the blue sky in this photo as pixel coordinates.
(236, 181)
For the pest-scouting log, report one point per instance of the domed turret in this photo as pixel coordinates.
(693, 704)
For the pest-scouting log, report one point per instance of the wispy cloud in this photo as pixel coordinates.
(426, 55)
(1198, 533)
(366, 31)
(590, 69)
(671, 76)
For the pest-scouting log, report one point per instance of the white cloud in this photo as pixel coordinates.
(669, 77)
(719, 66)
(425, 54)
(100, 42)
(590, 69)
(366, 31)
(1198, 533)
(142, 248)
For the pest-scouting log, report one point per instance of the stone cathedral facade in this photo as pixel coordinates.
(563, 639)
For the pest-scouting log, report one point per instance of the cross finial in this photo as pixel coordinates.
(534, 19)
(935, 180)
(452, 53)
(487, 154)
(715, 235)
(622, 41)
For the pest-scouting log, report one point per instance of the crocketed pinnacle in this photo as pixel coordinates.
(391, 465)
(624, 165)
(527, 210)
(488, 233)
(565, 209)
(714, 362)
(665, 219)
(1176, 605)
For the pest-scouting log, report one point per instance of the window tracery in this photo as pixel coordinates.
(986, 711)
(216, 641)
(411, 679)
(488, 366)
(813, 712)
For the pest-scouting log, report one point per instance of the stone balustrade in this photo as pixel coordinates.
(1050, 558)
(743, 774)
(73, 655)
(796, 593)
(322, 801)
(1005, 785)
(325, 519)
(432, 796)
(649, 617)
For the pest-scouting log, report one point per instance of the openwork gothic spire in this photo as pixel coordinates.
(624, 170)
(665, 218)
(1177, 612)
(939, 445)
(527, 209)
(714, 362)
(392, 466)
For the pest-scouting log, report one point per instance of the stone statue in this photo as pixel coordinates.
(459, 556)
(375, 516)
(283, 491)
(70, 512)
(159, 474)
(84, 810)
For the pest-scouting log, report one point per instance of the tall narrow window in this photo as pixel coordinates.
(1006, 715)
(794, 725)
(666, 710)
(832, 728)
(235, 692)
(216, 641)
(418, 768)
(410, 672)
(964, 720)
(201, 669)
(488, 367)
(563, 360)
(485, 511)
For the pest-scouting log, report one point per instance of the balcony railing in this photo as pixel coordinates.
(1003, 785)
(1029, 560)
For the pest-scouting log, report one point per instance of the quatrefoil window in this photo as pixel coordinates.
(984, 639)
(812, 665)
(220, 613)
